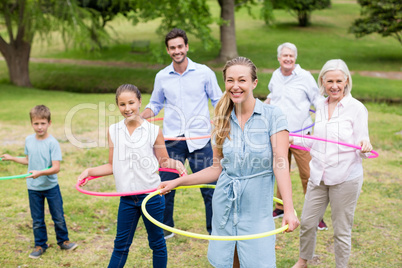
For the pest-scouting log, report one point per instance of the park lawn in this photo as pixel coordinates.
(82, 119)
(105, 79)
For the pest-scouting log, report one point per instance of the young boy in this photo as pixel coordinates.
(43, 156)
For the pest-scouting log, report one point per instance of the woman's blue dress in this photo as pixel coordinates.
(243, 198)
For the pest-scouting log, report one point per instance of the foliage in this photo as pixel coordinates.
(256, 41)
(302, 8)
(103, 11)
(267, 13)
(108, 9)
(193, 16)
(26, 18)
(379, 16)
(117, 63)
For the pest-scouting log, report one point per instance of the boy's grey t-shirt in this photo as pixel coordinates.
(41, 153)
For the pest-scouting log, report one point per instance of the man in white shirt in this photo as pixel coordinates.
(294, 90)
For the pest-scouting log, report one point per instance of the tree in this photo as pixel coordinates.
(82, 22)
(302, 8)
(193, 16)
(103, 11)
(227, 31)
(25, 18)
(227, 24)
(379, 16)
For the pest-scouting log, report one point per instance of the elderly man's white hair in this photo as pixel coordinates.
(287, 45)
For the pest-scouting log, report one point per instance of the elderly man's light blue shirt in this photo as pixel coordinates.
(185, 99)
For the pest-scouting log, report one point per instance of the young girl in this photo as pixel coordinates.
(251, 145)
(136, 150)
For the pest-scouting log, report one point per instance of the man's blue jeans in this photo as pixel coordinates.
(37, 206)
(127, 220)
(198, 160)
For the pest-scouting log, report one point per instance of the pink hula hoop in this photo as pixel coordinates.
(79, 183)
(179, 138)
(374, 153)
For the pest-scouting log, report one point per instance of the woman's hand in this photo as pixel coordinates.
(366, 146)
(291, 219)
(82, 177)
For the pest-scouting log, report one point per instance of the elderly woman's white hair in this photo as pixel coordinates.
(334, 65)
(287, 45)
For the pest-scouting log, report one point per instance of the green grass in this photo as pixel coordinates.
(364, 88)
(84, 118)
(92, 220)
(90, 79)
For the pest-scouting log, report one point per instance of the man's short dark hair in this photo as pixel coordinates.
(176, 32)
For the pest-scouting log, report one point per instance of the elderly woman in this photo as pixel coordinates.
(336, 175)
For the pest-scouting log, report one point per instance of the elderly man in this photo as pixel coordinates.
(294, 90)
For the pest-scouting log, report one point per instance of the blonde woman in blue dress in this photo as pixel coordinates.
(251, 144)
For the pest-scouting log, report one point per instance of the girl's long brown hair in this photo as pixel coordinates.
(225, 105)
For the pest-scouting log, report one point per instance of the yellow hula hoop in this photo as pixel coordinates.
(207, 237)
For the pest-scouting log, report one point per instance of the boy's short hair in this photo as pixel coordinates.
(41, 112)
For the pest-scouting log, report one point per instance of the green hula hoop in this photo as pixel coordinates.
(207, 237)
(22, 176)
(15, 177)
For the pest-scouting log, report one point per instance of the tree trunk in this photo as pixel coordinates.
(303, 17)
(17, 57)
(228, 31)
(18, 50)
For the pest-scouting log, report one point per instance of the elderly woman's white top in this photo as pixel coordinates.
(334, 163)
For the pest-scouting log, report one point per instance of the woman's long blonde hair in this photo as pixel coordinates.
(225, 105)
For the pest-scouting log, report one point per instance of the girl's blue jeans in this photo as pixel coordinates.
(127, 220)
